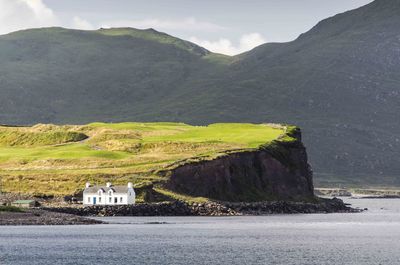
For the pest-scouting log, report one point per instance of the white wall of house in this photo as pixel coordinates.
(110, 198)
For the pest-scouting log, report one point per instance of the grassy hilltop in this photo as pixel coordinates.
(58, 160)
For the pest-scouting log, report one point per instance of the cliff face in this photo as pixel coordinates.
(277, 171)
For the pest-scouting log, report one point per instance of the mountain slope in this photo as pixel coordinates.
(339, 82)
(60, 75)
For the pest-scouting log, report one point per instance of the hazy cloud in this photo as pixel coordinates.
(80, 23)
(226, 46)
(23, 14)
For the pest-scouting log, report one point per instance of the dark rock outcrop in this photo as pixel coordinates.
(277, 171)
(42, 217)
(283, 207)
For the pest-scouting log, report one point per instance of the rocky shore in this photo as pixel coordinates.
(179, 208)
(359, 193)
(43, 217)
(78, 215)
(283, 207)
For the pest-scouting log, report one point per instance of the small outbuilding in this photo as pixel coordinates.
(24, 203)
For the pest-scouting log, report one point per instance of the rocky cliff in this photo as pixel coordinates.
(277, 171)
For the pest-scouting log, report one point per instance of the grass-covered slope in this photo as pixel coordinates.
(48, 161)
(73, 76)
(153, 35)
(37, 136)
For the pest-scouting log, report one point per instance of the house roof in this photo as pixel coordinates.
(116, 189)
(23, 201)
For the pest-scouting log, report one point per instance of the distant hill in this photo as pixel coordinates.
(340, 82)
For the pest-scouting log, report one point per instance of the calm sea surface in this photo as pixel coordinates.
(372, 238)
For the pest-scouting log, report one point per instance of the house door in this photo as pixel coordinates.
(94, 200)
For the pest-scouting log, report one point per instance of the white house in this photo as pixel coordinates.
(109, 195)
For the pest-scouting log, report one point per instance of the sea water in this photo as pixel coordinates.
(372, 238)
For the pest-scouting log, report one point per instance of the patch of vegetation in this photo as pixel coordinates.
(27, 137)
(291, 135)
(10, 209)
(219, 59)
(144, 185)
(153, 35)
(181, 197)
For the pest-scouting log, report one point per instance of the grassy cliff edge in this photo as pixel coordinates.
(56, 160)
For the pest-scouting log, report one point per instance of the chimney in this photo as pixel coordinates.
(130, 185)
(108, 184)
(87, 185)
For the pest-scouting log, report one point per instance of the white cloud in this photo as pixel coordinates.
(23, 14)
(80, 23)
(186, 24)
(226, 46)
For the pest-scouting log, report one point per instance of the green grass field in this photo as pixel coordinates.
(58, 160)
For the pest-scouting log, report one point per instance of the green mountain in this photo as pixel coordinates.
(339, 82)
(59, 75)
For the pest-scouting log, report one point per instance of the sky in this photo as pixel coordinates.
(224, 26)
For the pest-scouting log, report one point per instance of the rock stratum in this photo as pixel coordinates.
(273, 172)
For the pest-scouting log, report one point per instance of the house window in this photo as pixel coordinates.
(129, 193)
(115, 200)
(99, 198)
(109, 200)
(120, 199)
(88, 199)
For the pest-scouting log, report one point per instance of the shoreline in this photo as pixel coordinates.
(37, 216)
(359, 193)
(83, 215)
(180, 208)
